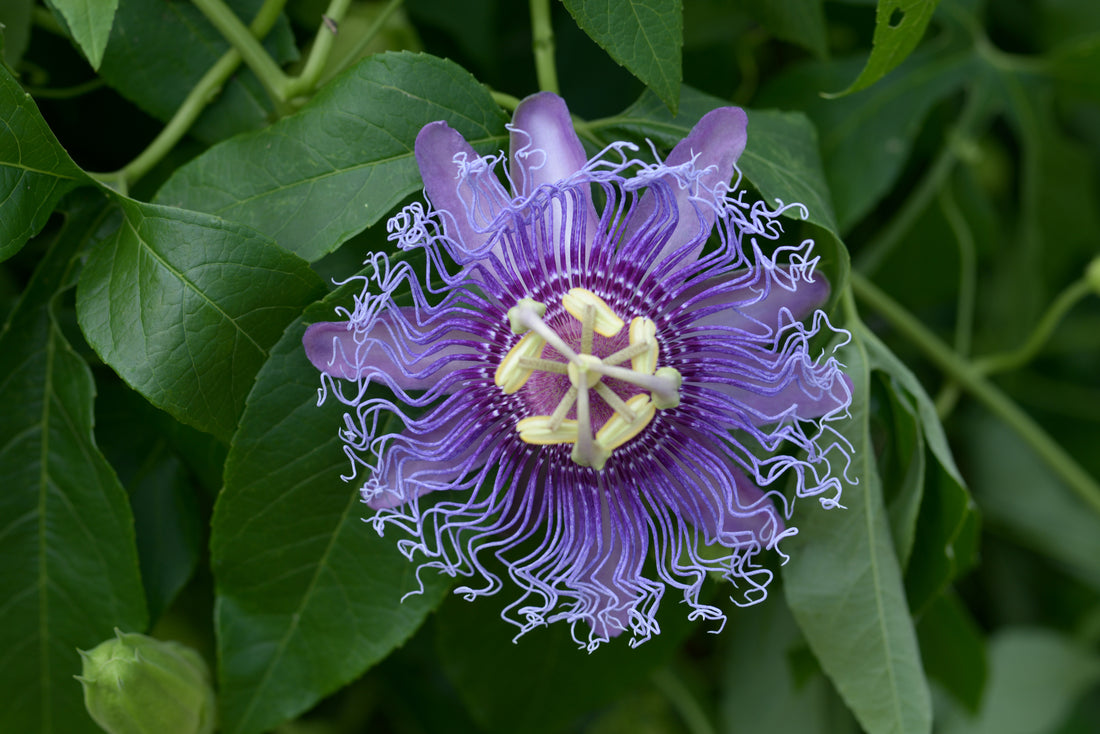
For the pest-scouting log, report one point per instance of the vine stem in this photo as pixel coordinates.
(971, 379)
(542, 33)
(310, 75)
(196, 101)
(255, 56)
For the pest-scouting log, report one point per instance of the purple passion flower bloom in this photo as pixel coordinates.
(599, 379)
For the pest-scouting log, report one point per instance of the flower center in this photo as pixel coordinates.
(592, 446)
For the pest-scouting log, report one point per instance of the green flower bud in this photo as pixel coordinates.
(1092, 275)
(134, 684)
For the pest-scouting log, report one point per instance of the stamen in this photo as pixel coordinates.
(664, 384)
(585, 451)
(528, 305)
(567, 401)
(607, 323)
(511, 374)
(625, 353)
(588, 324)
(544, 365)
(612, 398)
(539, 429)
(619, 429)
(644, 332)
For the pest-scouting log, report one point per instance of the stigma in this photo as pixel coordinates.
(635, 364)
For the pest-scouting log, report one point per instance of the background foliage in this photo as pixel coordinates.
(164, 467)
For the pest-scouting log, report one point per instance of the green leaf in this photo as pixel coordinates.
(797, 21)
(162, 492)
(844, 586)
(901, 464)
(1035, 677)
(159, 50)
(645, 36)
(544, 680)
(184, 307)
(70, 571)
(899, 26)
(90, 23)
(313, 180)
(763, 689)
(953, 649)
(309, 596)
(35, 171)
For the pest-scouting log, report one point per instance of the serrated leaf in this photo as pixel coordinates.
(70, 571)
(184, 306)
(90, 23)
(645, 36)
(313, 180)
(899, 26)
(309, 596)
(544, 680)
(35, 171)
(158, 52)
(844, 586)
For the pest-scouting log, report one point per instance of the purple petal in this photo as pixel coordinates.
(804, 391)
(759, 302)
(545, 147)
(718, 140)
(384, 353)
(467, 202)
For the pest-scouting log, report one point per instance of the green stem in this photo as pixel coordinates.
(974, 382)
(64, 92)
(366, 38)
(964, 319)
(250, 49)
(196, 101)
(307, 81)
(542, 32)
(44, 19)
(506, 101)
(1066, 300)
(876, 253)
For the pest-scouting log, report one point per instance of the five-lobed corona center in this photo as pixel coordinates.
(586, 372)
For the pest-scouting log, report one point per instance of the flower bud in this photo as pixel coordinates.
(1092, 275)
(134, 684)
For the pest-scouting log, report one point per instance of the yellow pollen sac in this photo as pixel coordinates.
(644, 331)
(511, 375)
(618, 430)
(607, 323)
(540, 429)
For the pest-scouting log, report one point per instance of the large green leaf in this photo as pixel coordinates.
(15, 16)
(844, 585)
(954, 651)
(70, 570)
(313, 180)
(90, 23)
(309, 596)
(645, 36)
(184, 306)
(798, 21)
(158, 51)
(899, 26)
(35, 171)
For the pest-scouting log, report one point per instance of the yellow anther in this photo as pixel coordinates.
(511, 375)
(618, 429)
(670, 398)
(539, 429)
(607, 323)
(644, 332)
(525, 304)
